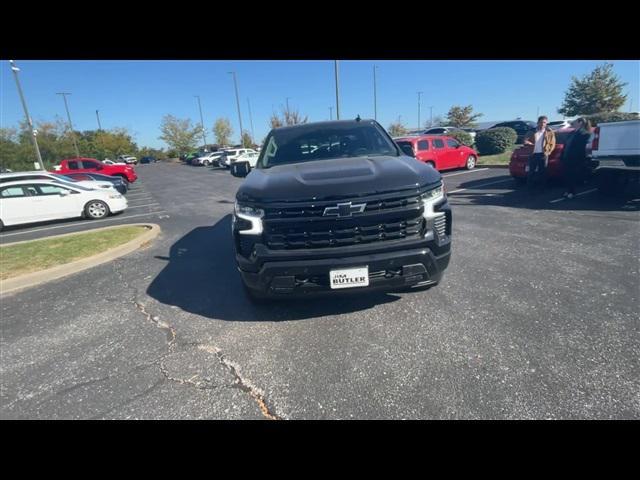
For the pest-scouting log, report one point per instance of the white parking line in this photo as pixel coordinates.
(462, 173)
(576, 195)
(79, 224)
(481, 185)
(145, 205)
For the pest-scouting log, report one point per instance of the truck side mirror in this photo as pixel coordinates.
(407, 150)
(240, 169)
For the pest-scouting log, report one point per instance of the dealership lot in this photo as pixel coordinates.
(537, 317)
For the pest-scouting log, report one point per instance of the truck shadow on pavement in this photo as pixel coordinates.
(201, 278)
(505, 192)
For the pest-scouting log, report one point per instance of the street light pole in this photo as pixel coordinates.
(98, 117)
(26, 114)
(251, 120)
(335, 63)
(375, 96)
(204, 137)
(73, 135)
(419, 93)
(235, 83)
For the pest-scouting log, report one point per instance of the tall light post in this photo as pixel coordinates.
(335, 64)
(98, 117)
(204, 137)
(235, 83)
(419, 93)
(32, 130)
(73, 135)
(375, 96)
(251, 120)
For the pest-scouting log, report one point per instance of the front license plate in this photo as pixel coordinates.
(349, 278)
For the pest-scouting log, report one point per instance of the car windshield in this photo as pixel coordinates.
(324, 142)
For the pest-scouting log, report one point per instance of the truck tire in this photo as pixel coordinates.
(1, 226)
(607, 183)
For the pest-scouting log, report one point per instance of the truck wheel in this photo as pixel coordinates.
(1, 226)
(606, 183)
(96, 209)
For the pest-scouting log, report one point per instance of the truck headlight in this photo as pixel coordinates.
(429, 200)
(252, 215)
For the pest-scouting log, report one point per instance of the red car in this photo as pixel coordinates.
(440, 151)
(91, 165)
(519, 163)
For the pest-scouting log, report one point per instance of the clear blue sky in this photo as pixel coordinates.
(136, 94)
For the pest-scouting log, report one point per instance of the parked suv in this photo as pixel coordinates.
(232, 155)
(441, 152)
(338, 205)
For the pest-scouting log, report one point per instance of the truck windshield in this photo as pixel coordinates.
(320, 142)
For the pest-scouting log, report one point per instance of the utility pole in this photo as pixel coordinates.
(335, 63)
(419, 93)
(251, 120)
(32, 130)
(98, 117)
(204, 137)
(73, 135)
(235, 83)
(330, 113)
(375, 96)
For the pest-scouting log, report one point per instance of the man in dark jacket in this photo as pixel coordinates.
(574, 156)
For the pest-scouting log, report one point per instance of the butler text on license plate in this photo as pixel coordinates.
(349, 277)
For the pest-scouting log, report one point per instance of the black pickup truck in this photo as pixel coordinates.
(338, 205)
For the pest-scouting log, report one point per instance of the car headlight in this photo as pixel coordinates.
(252, 215)
(115, 195)
(430, 199)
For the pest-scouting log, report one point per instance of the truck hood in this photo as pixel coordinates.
(335, 178)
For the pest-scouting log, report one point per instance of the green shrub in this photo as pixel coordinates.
(462, 137)
(495, 140)
(606, 117)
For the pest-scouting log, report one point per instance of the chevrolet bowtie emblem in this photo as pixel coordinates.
(344, 210)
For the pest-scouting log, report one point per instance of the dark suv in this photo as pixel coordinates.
(337, 205)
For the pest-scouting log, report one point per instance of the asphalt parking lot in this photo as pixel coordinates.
(537, 317)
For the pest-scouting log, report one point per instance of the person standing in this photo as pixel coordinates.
(574, 156)
(543, 140)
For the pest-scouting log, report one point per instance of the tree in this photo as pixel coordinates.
(397, 129)
(289, 117)
(597, 92)
(462, 116)
(179, 134)
(247, 141)
(223, 131)
(438, 121)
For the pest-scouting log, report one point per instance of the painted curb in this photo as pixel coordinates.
(12, 285)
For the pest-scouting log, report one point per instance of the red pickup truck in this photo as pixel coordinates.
(91, 165)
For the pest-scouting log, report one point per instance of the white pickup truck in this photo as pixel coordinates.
(615, 149)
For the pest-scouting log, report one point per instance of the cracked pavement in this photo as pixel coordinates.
(537, 317)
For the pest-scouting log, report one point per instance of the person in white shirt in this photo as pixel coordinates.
(543, 140)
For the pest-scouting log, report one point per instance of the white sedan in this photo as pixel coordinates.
(29, 201)
(111, 162)
(56, 177)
